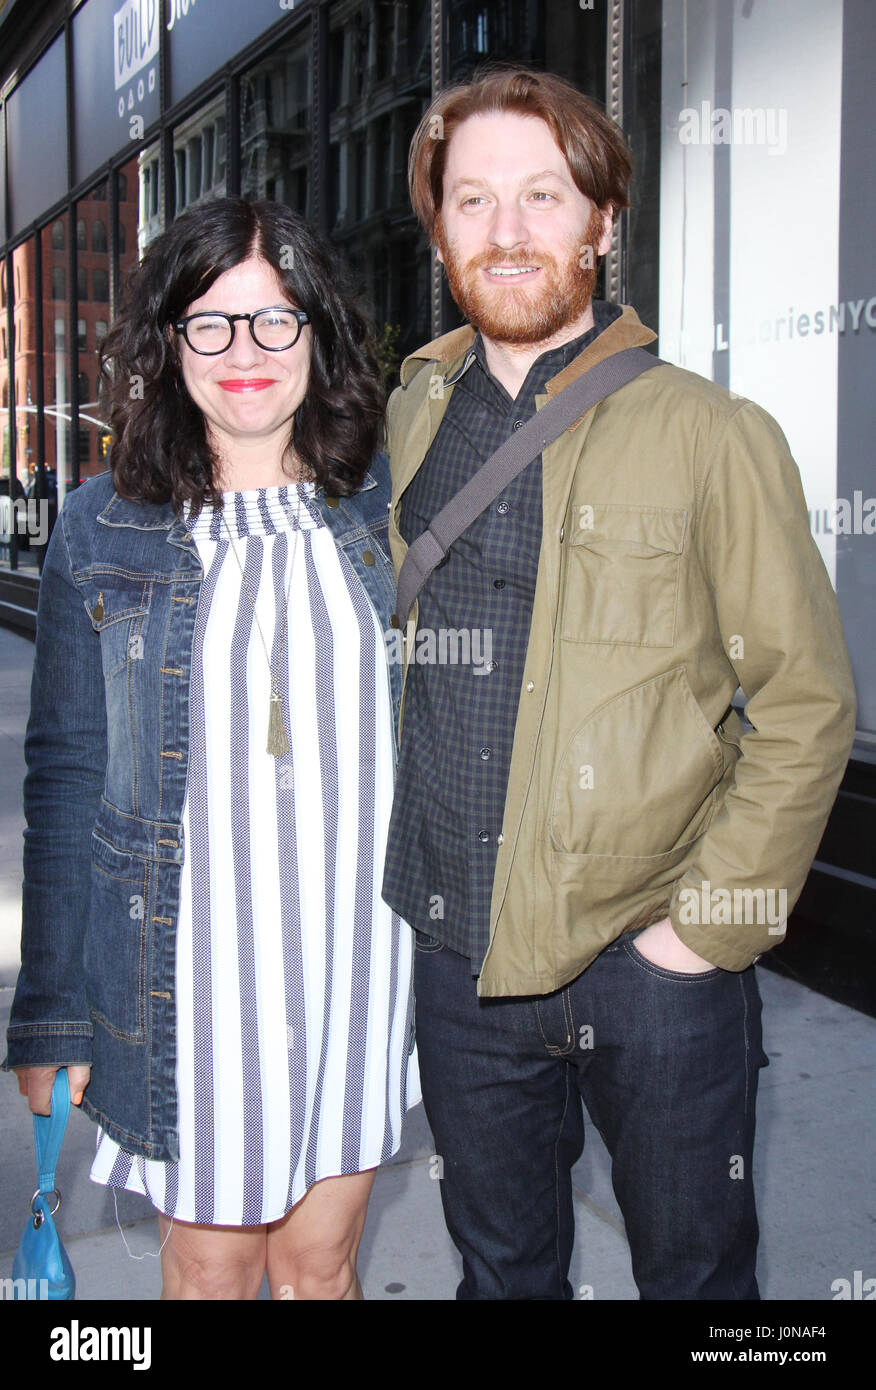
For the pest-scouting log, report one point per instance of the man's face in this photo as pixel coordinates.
(518, 239)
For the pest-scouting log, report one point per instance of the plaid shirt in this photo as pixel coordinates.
(459, 718)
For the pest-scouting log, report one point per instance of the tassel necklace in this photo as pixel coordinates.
(278, 742)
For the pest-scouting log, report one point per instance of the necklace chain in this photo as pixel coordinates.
(278, 741)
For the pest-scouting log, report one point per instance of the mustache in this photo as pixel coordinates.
(486, 259)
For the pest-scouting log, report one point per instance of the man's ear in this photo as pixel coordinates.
(607, 215)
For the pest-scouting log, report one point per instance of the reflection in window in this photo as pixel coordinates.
(150, 218)
(84, 388)
(275, 107)
(100, 286)
(56, 394)
(82, 334)
(81, 238)
(98, 236)
(199, 155)
(81, 282)
(369, 214)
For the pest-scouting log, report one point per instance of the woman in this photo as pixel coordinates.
(210, 763)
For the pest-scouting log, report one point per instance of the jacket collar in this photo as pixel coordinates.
(157, 516)
(451, 350)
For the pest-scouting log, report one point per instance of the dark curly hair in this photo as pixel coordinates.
(161, 451)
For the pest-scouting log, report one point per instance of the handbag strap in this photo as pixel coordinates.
(48, 1132)
(493, 476)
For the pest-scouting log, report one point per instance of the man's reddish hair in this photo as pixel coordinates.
(595, 150)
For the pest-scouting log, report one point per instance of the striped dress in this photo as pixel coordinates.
(295, 1054)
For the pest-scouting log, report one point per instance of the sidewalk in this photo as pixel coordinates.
(813, 1155)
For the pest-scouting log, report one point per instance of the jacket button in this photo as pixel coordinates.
(332, 502)
(562, 532)
(500, 839)
(367, 557)
(530, 685)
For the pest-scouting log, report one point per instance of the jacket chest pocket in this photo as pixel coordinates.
(622, 574)
(118, 608)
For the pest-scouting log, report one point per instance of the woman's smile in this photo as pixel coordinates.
(247, 384)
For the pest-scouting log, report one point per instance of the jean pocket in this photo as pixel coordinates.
(681, 976)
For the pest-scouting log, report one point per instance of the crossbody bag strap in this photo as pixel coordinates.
(493, 476)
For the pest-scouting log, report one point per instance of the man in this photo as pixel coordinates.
(592, 849)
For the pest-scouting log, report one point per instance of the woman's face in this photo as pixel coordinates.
(247, 395)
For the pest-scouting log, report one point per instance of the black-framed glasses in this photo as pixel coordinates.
(273, 329)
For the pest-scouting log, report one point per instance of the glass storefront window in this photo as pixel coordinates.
(275, 126)
(150, 221)
(93, 302)
(127, 201)
(379, 73)
(25, 366)
(760, 108)
(199, 156)
(18, 374)
(56, 334)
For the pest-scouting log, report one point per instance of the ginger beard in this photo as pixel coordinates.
(523, 314)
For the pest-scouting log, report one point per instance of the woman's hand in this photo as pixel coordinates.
(36, 1083)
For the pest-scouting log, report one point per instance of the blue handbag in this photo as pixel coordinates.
(42, 1268)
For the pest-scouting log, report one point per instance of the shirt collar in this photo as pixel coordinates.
(555, 359)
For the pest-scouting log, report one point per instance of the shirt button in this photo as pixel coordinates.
(530, 685)
(483, 836)
(503, 508)
(367, 557)
(486, 753)
(492, 665)
(518, 424)
(498, 583)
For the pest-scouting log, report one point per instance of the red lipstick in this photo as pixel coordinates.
(246, 384)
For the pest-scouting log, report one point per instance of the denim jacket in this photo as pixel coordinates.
(107, 755)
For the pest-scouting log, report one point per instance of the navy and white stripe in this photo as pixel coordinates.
(294, 1005)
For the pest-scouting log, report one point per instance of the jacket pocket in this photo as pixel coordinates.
(637, 776)
(118, 606)
(622, 574)
(116, 940)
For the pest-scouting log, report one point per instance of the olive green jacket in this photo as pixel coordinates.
(676, 565)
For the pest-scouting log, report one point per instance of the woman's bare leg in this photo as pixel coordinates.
(311, 1251)
(211, 1262)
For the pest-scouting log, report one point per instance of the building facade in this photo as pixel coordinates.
(749, 245)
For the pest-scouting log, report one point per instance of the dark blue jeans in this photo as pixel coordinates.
(667, 1067)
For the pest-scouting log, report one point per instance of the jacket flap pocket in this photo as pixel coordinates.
(611, 523)
(112, 597)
